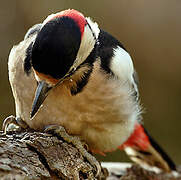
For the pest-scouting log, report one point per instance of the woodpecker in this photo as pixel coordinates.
(68, 72)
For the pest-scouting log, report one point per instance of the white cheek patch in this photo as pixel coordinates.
(86, 46)
(121, 65)
(87, 43)
(94, 27)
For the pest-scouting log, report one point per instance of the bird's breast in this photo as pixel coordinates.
(103, 113)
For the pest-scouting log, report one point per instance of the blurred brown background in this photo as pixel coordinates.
(150, 30)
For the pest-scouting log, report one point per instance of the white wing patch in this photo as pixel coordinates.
(122, 65)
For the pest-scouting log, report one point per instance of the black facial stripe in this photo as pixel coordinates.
(56, 47)
(27, 61)
(88, 62)
(82, 82)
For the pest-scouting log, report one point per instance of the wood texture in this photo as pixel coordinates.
(33, 155)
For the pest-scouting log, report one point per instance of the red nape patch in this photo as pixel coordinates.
(74, 14)
(138, 139)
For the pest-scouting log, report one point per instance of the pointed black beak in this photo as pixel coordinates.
(40, 95)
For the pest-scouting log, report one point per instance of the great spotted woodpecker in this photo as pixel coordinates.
(68, 72)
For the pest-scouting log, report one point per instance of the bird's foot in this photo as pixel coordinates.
(12, 123)
(60, 132)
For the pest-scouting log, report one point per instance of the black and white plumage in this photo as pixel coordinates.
(85, 81)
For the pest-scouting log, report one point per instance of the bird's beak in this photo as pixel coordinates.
(42, 92)
(40, 95)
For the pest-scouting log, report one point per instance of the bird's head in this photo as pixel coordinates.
(62, 46)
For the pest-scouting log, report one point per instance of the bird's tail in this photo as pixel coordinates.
(143, 149)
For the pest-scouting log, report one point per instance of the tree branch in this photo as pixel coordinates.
(35, 155)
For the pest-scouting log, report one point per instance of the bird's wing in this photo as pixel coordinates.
(140, 147)
(116, 60)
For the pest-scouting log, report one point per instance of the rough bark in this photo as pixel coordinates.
(35, 155)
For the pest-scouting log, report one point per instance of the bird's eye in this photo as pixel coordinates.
(74, 69)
